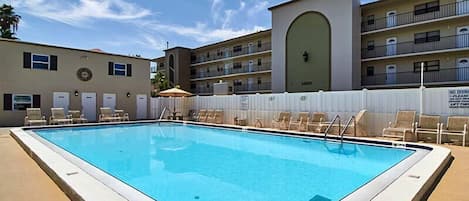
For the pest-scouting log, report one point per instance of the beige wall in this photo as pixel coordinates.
(344, 18)
(15, 79)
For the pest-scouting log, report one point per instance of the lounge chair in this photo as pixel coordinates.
(123, 116)
(107, 115)
(201, 115)
(282, 121)
(34, 117)
(428, 126)
(77, 117)
(457, 126)
(300, 122)
(357, 128)
(209, 114)
(404, 123)
(316, 122)
(217, 117)
(58, 117)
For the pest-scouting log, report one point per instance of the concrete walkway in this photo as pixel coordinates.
(21, 178)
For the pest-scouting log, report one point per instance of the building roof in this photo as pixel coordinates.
(69, 48)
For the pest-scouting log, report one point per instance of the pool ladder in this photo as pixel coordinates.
(341, 132)
(162, 113)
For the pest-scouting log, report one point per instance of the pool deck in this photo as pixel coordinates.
(27, 181)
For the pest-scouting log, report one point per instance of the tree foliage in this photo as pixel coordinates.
(9, 22)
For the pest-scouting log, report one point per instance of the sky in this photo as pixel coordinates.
(139, 27)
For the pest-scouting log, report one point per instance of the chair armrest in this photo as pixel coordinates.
(43, 117)
(82, 116)
(390, 125)
(69, 116)
(321, 120)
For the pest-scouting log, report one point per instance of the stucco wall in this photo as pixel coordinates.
(15, 79)
(344, 17)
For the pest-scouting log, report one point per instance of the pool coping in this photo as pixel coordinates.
(93, 184)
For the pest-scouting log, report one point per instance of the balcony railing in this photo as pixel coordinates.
(202, 90)
(448, 42)
(227, 71)
(245, 50)
(265, 86)
(446, 10)
(443, 75)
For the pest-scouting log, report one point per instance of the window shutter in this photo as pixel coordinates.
(53, 62)
(7, 102)
(36, 101)
(111, 68)
(129, 70)
(26, 59)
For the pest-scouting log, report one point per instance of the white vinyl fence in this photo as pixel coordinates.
(381, 104)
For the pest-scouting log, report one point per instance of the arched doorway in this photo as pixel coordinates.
(308, 54)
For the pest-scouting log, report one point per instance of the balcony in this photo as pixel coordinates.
(443, 76)
(444, 11)
(246, 50)
(202, 91)
(231, 71)
(249, 88)
(445, 43)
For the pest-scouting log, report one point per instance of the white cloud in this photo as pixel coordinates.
(259, 6)
(79, 13)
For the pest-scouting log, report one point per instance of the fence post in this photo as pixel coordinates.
(364, 99)
(320, 100)
(422, 101)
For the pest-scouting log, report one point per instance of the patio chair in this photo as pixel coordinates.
(316, 122)
(404, 123)
(58, 117)
(457, 126)
(77, 117)
(357, 128)
(282, 121)
(207, 116)
(107, 115)
(429, 127)
(217, 117)
(34, 117)
(300, 122)
(199, 116)
(123, 116)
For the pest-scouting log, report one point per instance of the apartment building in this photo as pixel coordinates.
(46, 76)
(335, 45)
(399, 35)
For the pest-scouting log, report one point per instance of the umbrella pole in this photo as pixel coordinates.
(174, 108)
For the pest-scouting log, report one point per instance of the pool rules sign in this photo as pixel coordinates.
(458, 98)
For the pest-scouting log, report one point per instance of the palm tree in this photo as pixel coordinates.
(8, 22)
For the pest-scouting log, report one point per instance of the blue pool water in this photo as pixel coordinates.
(174, 162)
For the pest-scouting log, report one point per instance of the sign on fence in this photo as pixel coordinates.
(458, 98)
(244, 102)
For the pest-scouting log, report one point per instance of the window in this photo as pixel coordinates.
(259, 62)
(428, 66)
(370, 71)
(208, 54)
(371, 45)
(237, 83)
(208, 85)
(120, 69)
(22, 101)
(370, 19)
(237, 65)
(193, 57)
(427, 8)
(259, 44)
(193, 71)
(426, 37)
(193, 86)
(259, 80)
(40, 61)
(171, 76)
(237, 48)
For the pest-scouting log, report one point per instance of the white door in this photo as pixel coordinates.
(88, 105)
(391, 71)
(109, 100)
(391, 18)
(462, 7)
(250, 48)
(61, 100)
(227, 69)
(391, 46)
(463, 36)
(463, 69)
(142, 106)
(251, 66)
(227, 52)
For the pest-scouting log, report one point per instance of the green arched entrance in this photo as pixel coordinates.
(308, 58)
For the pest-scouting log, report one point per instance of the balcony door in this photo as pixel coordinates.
(462, 7)
(250, 48)
(251, 66)
(391, 71)
(391, 18)
(463, 69)
(463, 37)
(391, 46)
(251, 84)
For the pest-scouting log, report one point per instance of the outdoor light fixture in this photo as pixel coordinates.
(76, 93)
(128, 94)
(306, 56)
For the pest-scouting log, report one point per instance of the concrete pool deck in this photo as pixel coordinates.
(17, 164)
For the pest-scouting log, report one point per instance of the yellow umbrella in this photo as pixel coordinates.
(174, 92)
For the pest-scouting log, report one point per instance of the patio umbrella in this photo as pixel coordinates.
(174, 92)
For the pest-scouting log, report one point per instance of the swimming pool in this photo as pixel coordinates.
(176, 162)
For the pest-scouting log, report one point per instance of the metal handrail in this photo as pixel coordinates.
(162, 113)
(346, 126)
(337, 117)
